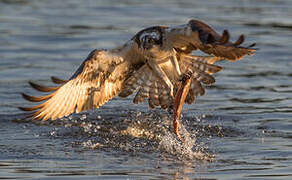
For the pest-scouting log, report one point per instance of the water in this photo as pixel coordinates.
(241, 128)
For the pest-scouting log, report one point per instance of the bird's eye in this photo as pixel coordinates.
(150, 40)
(145, 39)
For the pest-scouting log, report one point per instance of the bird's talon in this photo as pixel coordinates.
(185, 76)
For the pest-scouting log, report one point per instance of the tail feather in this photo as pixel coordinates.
(133, 83)
(144, 83)
(138, 98)
(154, 95)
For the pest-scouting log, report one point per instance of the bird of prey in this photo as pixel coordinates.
(151, 64)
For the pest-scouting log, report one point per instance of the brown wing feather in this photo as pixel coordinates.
(97, 80)
(42, 88)
(202, 69)
(198, 35)
(58, 81)
(149, 86)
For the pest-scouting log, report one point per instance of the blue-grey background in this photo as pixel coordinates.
(244, 120)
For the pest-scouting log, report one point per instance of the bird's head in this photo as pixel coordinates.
(149, 38)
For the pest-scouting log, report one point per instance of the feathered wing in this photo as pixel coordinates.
(105, 74)
(201, 70)
(98, 79)
(149, 86)
(198, 35)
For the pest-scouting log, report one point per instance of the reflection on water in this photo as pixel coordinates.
(240, 129)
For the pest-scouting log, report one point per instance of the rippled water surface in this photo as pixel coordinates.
(241, 128)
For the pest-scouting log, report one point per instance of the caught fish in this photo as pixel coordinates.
(179, 101)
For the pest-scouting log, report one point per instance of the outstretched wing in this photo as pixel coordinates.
(97, 80)
(149, 86)
(198, 35)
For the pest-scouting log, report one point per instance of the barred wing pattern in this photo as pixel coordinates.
(149, 86)
(97, 80)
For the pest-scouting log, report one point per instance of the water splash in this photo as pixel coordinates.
(187, 149)
(135, 132)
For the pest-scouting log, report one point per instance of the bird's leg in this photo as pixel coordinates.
(158, 70)
(186, 75)
(174, 62)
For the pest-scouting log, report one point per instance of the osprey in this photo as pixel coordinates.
(152, 63)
